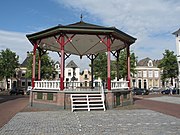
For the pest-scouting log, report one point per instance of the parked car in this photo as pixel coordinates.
(168, 91)
(155, 90)
(29, 88)
(139, 91)
(16, 91)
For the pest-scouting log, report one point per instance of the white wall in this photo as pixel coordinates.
(69, 76)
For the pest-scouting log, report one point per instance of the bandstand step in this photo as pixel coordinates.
(87, 102)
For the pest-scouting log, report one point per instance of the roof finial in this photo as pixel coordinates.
(81, 17)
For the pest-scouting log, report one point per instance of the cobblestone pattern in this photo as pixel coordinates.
(111, 122)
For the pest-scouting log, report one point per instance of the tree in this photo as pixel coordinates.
(123, 63)
(47, 66)
(9, 61)
(169, 66)
(100, 66)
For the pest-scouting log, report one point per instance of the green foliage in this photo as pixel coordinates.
(123, 63)
(47, 67)
(9, 61)
(100, 66)
(169, 65)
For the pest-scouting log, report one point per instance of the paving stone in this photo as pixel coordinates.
(110, 122)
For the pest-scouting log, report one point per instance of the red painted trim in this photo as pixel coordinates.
(33, 84)
(128, 66)
(34, 63)
(108, 63)
(39, 68)
(69, 39)
(102, 39)
(62, 63)
(62, 43)
(108, 45)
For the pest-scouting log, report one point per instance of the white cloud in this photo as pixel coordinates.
(16, 42)
(151, 22)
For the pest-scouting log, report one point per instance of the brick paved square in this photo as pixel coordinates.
(110, 122)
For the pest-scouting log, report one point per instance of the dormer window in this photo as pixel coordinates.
(57, 66)
(23, 73)
(150, 63)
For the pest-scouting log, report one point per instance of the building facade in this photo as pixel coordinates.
(22, 80)
(85, 78)
(147, 75)
(71, 74)
(177, 35)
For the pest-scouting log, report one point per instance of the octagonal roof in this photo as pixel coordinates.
(86, 39)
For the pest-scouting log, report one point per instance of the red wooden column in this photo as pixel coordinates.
(128, 66)
(39, 68)
(61, 41)
(108, 63)
(34, 63)
(62, 63)
(108, 45)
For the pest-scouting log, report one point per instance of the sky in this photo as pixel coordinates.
(152, 22)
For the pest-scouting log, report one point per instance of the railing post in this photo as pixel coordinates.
(88, 102)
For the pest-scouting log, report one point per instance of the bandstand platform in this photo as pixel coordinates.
(49, 93)
(81, 39)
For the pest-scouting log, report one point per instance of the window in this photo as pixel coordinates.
(85, 83)
(134, 82)
(57, 66)
(156, 83)
(69, 73)
(156, 74)
(139, 83)
(139, 74)
(85, 76)
(23, 73)
(145, 84)
(150, 83)
(144, 73)
(23, 83)
(29, 83)
(150, 63)
(150, 73)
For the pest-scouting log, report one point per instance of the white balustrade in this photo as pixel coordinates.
(54, 85)
(119, 85)
(72, 84)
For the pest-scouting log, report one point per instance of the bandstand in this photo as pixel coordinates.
(81, 39)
